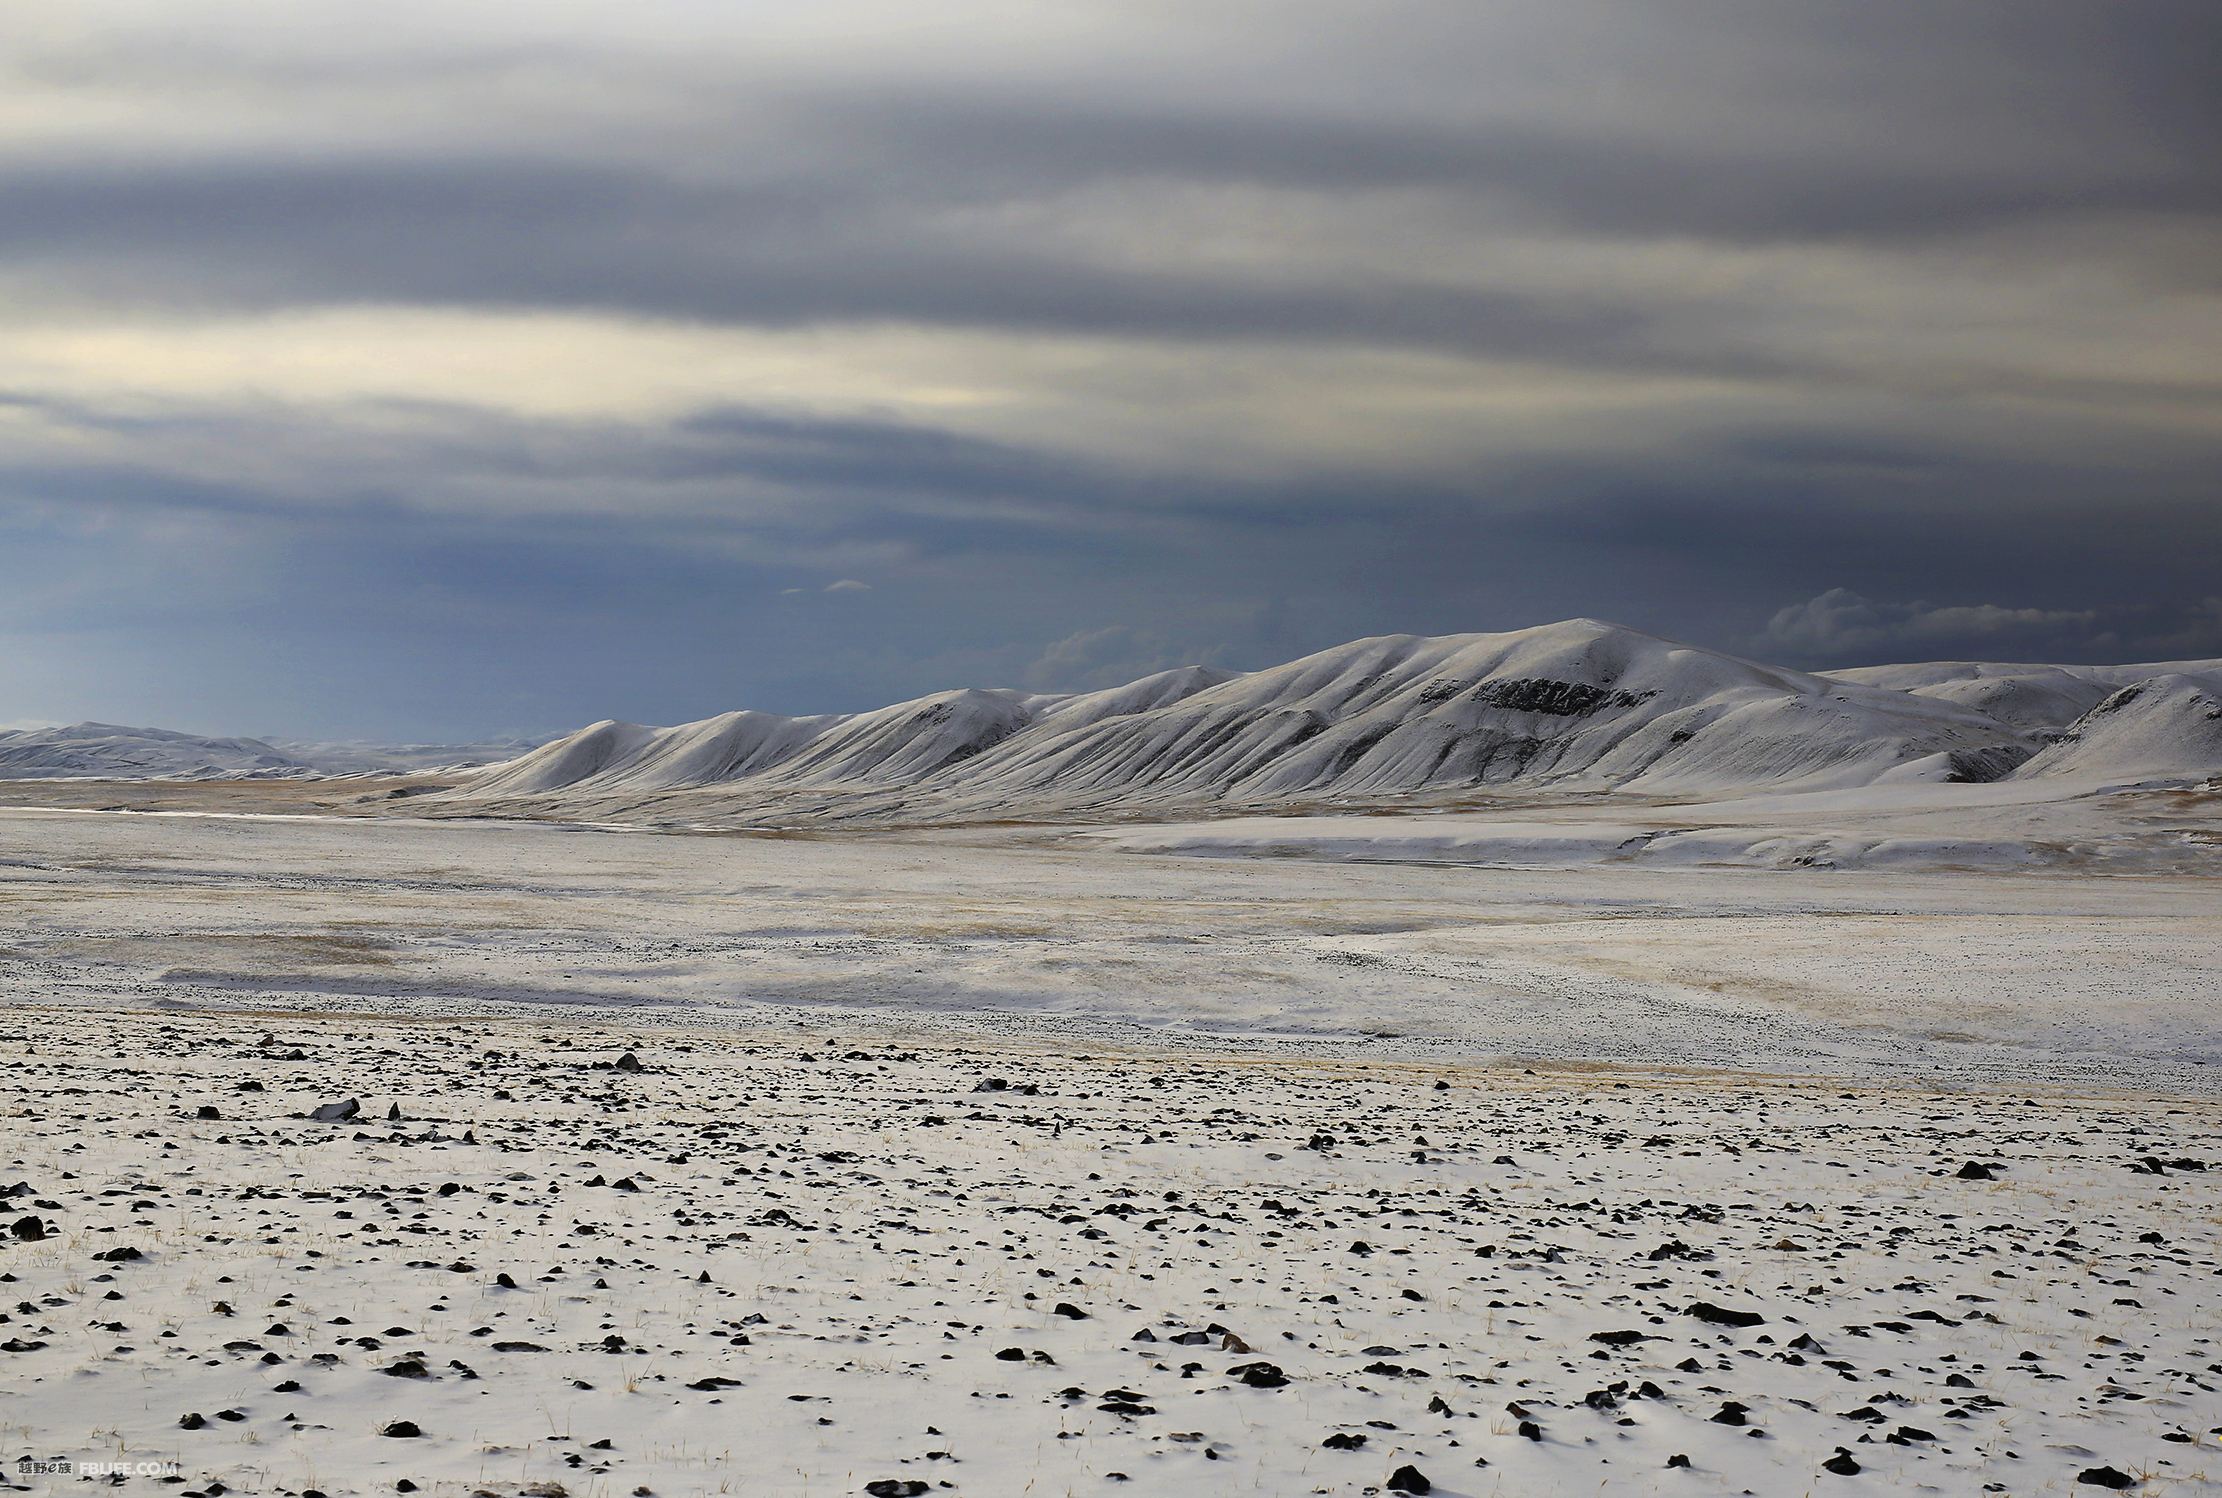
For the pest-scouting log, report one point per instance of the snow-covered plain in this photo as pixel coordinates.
(2017, 824)
(809, 1265)
(1445, 1165)
(2017, 979)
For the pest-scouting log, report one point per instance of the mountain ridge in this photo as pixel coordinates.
(116, 751)
(1580, 705)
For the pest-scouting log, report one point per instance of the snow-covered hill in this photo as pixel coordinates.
(891, 746)
(111, 751)
(2034, 698)
(2168, 726)
(1580, 706)
(1579, 701)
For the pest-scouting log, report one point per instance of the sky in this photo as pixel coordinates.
(478, 367)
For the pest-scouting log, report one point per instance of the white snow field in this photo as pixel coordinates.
(854, 1261)
(2037, 823)
(2015, 979)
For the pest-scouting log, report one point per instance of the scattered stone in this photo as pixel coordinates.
(1705, 1310)
(1259, 1375)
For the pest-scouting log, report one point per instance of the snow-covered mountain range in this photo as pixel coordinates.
(111, 751)
(1579, 706)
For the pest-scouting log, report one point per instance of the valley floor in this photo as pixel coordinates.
(1482, 1172)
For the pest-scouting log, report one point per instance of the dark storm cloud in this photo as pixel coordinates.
(464, 464)
(859, 237)
(782, 494)
(825, 203)
(521, 234)
(663, 614)
(1723, 187)
(1802, 326)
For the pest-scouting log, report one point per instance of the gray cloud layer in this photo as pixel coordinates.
(1085, 338)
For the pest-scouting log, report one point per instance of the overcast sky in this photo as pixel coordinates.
(437, 369)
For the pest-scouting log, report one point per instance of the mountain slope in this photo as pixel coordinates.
(1576, 707)
(2166, 727)
(111, 751)
(630, 756)
(1572, 701)
(888, 747)
(2033, 698)
(1581, 704)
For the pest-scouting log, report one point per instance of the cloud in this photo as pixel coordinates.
(1113, 655)
(1147, 330)
(1841, 621)
(848, 585)
(2198, 633)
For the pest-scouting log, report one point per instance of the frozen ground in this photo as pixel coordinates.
(787, 1266)
(2007, 826)
(809, 1246)
(1966, 977)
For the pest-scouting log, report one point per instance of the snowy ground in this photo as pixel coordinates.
(2005, 826)
(787, 1267)
(2010, 979)
(1660, 1089)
